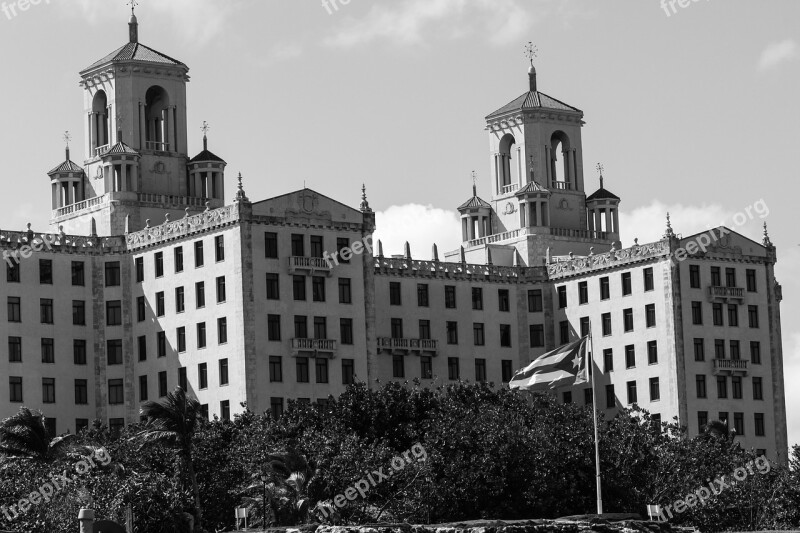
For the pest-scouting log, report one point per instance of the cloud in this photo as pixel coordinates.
(408, 23)
(421, 226)
(284, 52)
(778, 52)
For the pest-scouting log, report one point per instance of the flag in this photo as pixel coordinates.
(564, 366)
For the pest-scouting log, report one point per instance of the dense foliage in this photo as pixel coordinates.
(402, 453)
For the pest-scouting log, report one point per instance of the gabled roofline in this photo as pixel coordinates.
(307, 189)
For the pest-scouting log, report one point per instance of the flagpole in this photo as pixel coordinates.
(596, 435)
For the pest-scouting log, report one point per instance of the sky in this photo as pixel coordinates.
(691, 110)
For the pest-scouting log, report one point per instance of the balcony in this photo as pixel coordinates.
(314, 347)
(404, 346)
(101, 150)
(157, 146)
(725, 293)
(508, 189)
(730, 367)
(310, 265)
(561, 185)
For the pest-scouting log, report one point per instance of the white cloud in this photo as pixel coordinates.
(407, 23)
(419, 225)
(778, 52)
(285, 51)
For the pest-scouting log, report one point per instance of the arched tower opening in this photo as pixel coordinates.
(99, 125)
(562, 162)
(159, 120)
(507, 163)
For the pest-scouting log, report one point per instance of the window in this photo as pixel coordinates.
(398, 366)
(699, 350)
(81, 424)
(426, 367)
(223, 372)
(345, 291)
(502, 296)
(585, 326)
(422, 295)
(321, 367)
(225, 410)
(320, 327)
(114, 313)
(116, 392)
(141, 309)
(46, 310)
(78, 313)
(736, 353)
(583, 292)
(751, 280)
(15, 388)
(562, 296)
(627, 288)
(48, 351)
(112, 274)
(114, 352)
(537, 335)
(15, 349)
(222, 294)
(341, 244)
(317, 246)
(733, 315)
(630, 356)
(198, 254)
(606, 321)
(12, 272)
(181, 333)
(298, 245)
(505, 335)
(318, 289)
(183, 380)
(716, 277)
(759, 423)
(159, 261)
(425, 329)
(700, 386)
(299, 288)
(738, 423)
(46, 272)
(567, 397)
(222, 330)
(394, 293)
(608, 360)
(274, 327)
(478, 334)
(697, 313)
(627, 320)
(139, 267)
(758, 388)
(535, 303)
(452, 332)
(752, 315)
(477, 298)
(650, 315)
(161, 344)
(719, 349)
(730, 277)
(180, 300)
(142, 348)
(348, 371)
(78, 279)
(302, 369)
(480, 370)
(632, 396)
(652, 352)
(178, 259)
(200, 294)
(48, 390)
(588, 396)
(160, 306)
(755, 352)
(219, 248)
(271, 245)
(605, 288)
(453, 369)
(506, 370)
(694, 276)
(702, 420)
(273, 287)
(201, 335)
(202, 375)
(276, 407)
(397, 328)
(611, 397)
(649, 284)
(655, 390)
(450, 296)
(14, 309)
(346, 331)
(722, 387)
(563, 327)
(723, 417)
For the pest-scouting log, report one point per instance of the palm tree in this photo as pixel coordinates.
(283, 478)
(25, 436)
(173, 423)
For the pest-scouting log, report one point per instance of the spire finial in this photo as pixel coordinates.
(531, 52)
(204, 128)
(669, 232)
(474, 184)
(767, 241)
(600, 169)
(67, 138)
(240, 194)
(364, 203)
(133, 24)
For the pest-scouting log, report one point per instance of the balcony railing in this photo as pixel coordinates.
(508, 189)
(157, 146)
(561, 185)
(100, 150)
(730, 366)
(394, 345)
(309, 264)
(539, 230)
(317, 347)
(80, 206)
(726, 293)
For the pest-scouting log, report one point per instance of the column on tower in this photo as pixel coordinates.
(523, 214)
(167, 130)
(616, 220)
(609, 228)
(574, 180)
(598, 223)
(123, 176)
(142, 126)
(109, 131)
(92, 133)
(174, 128)
(591, 219)
(497, 172)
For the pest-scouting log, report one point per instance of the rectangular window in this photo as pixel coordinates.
(15, 388)
(426, 367)
(320, 327)
(694, 276)
(652, 352)
(722, 387)
(139, 267)
(161, 344)
(78, 313)
(507, 370)
(605, 288)
(535, 303)
(14, 309)
(606, 322)
(78, 278)
(450, 296)
(627, 287)
(504, 300)
(650, 315)
(200, 294)
(162, 384)
(537, 335)
(225, 410)
(452, 332)
(751, 281)
(505, 335)
(758, 388)
(345, 291)
(398, 366)
(46, 272)
(733, 315)
(112, 274)
(114, 313)
(477, 298)
(627, 320)
(397, 328)
(453, 369)
(199, 261)
(160, 304)
(655, 390)
(425, 329)
(341, 244)
(48, 390)
(736, 353)
(142, 348)
(346, 331)
(752, 315)
(567, 396)
(562, 296)
(271, 245)
(608, 360)
(759, 423)
(478, 334)
(755, 352)
(480, 370)
(321, 367)
(114, 352)
(12, 272)
(274, 327)
(317, 246)
(584, 326)
(583, 292)
(222, 293)
(81, 424)
(697, 313)
(395, 297)
(202, 375)
(611, 397)
(649, 283)
(178, 259)
(183, 380)
(318, 289)
(348, 371)
(181, 334)
(46, 310)
(299, 288)
(48, 351)
(738, 424)
(563, 328)
(276, 407)
(730, 277)
(143, 393)
(275, 369)
(719, 349)
(15, 349)
(159, 262)
(716, 277)
(219, 248)
(630, 356)
(222, 330)
(201, 335)
(116, 392)
(223, 372)
(699, 350)
(180, 300)
(298, 245)
(736, 387)
(632, 396)
(700, 386)
(702, 420)
(273, 287)
(723, 417)
(301, 366)
(422, 295)
(141, 309)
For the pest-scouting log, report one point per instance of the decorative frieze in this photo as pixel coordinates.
(188, 225)
(614, 258)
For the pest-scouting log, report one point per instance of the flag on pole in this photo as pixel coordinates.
(564, 366)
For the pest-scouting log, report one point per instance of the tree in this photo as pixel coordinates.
(174, 423)
(25, 436)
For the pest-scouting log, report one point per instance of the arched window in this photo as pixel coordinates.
(561, 161)
(99, 123)
(158, 122)
(507, 162)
